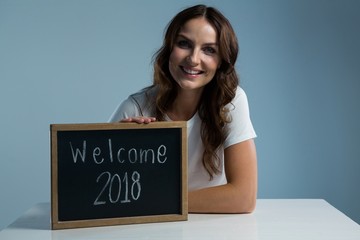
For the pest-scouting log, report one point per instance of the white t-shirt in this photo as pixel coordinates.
(239, 129)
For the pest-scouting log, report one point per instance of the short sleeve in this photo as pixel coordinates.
(240, 128)
(137, 104)
(128, 108)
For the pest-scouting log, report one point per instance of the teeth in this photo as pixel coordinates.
(189, 71)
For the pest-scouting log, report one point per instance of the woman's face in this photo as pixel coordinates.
(195, 57)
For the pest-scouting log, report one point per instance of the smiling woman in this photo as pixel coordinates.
(195, 81)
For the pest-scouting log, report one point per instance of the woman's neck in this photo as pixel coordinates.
(185, 105)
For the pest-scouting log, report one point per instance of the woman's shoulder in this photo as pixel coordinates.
(239, 99)
(144, 100)
(144, 95)
(137, 104)
(240, 92)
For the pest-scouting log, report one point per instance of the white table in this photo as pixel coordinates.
(305, 219)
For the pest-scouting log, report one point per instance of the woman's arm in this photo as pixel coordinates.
(239, 194)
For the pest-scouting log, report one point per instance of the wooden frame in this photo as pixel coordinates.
(59, 224)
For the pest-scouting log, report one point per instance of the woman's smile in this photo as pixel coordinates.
(190, 71)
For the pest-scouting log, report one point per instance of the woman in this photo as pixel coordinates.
(195, 81)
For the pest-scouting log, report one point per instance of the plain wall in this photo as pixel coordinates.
(73, 61)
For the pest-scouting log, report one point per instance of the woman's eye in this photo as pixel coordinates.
(209, 50)
(183, 44)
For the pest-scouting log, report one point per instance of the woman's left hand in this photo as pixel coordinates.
(139, 119)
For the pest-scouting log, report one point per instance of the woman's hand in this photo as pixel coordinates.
(139, 119)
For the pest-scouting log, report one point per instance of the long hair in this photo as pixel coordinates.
(217, 93)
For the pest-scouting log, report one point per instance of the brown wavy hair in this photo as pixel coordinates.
(217, 93)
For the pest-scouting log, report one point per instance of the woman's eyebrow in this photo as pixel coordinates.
(183, 36)
(188, 39)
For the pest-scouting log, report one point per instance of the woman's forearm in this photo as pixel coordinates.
(222, 199)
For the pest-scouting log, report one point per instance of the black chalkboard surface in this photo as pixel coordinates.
(118, 173)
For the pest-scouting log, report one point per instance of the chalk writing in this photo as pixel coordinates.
(130, 155)
(78, 152)
(114, 193)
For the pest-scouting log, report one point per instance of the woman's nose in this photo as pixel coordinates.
(194, 58)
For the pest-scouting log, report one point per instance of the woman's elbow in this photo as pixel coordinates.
(244, 204)
(250, 206)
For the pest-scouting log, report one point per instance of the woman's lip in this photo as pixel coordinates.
(191, 71)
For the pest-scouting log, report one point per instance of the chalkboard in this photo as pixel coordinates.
(118, 173)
